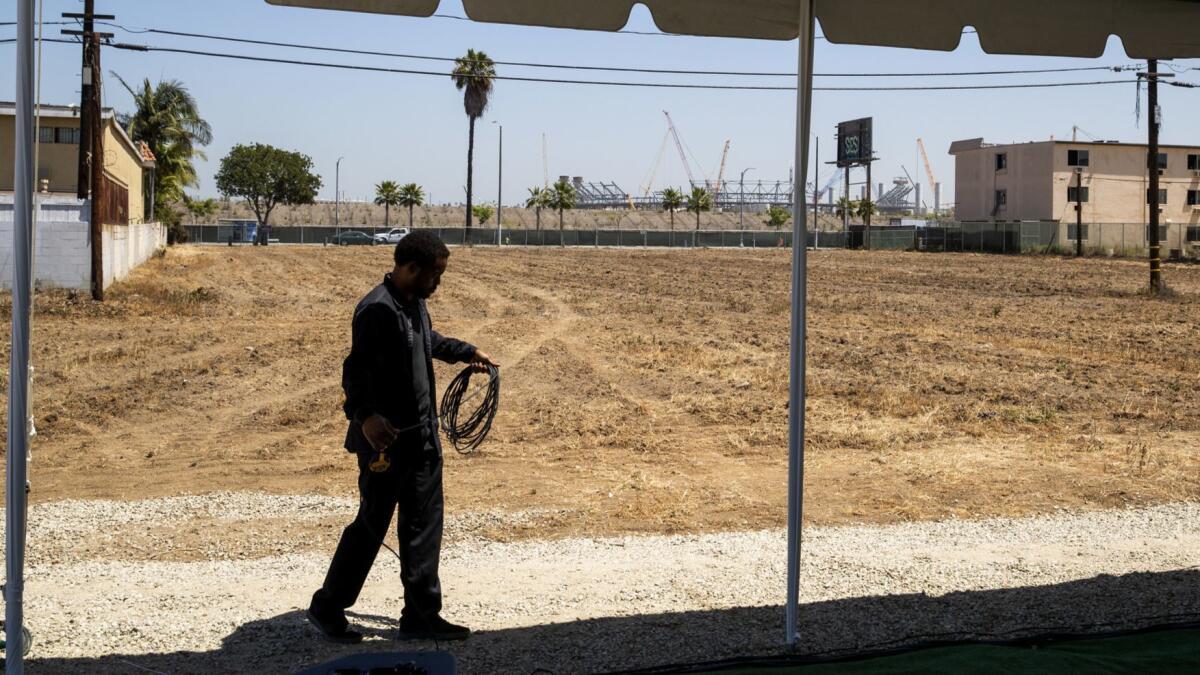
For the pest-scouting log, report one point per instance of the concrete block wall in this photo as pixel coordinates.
(63, 256)
(127, 246)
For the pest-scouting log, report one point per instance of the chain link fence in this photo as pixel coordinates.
(1110, 239)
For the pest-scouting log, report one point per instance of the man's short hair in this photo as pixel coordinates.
(422, 247)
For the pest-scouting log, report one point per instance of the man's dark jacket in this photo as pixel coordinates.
(377, 375)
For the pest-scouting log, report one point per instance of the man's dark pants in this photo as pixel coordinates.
(414, 483)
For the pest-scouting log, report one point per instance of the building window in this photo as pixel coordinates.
(68, 135)
(1162, 160)
(1001, 199)
(46, 135)
(1075, 194)
(1162, 232)
(1193, 162)
(1162, 196)
(1077, 157)
(1193, 233)
(1071, 227)
(1001, 161)
(1193, 198)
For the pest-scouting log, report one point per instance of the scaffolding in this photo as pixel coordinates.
(729, 195)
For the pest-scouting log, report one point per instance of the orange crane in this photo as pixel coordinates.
(928, 166)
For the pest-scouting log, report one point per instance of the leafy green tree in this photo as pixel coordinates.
(539, 198)
(411, 195)
(699, 201)
(200, 208)
(168, 120)
(672, 201)
(562, 198)
(474, 75)
(777, 217)
(266, 177)
(483, 212)
(387, 195)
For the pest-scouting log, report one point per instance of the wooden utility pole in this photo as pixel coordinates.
(1079, 212)
(867, 210)
(85, 92)
(91, 137)
(97, 151)
(1155, 120)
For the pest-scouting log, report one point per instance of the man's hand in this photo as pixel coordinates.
(379, 432)
(481, 361)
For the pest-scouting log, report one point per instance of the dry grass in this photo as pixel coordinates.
(645, 390)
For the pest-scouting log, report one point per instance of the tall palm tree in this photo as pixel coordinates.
(846, 205)
(562, 197)
(699, 201)
(387, 195)
(672, 199)
(411, 195)
(168, 120)
(864, 208)
(474, 75)
(539, 198)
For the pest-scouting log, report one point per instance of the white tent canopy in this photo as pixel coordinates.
(1148, 28)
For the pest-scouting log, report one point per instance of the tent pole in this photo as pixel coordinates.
(796, 395)
(18, 400)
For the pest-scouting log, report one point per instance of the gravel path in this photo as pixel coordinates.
(587, 605)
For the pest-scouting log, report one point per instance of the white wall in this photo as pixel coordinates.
(63, 256)
(127, 246)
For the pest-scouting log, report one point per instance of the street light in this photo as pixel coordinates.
(500, 188)
(337, 180)
(742, 196)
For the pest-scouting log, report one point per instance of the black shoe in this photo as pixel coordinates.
(435, 628)
(334, 628)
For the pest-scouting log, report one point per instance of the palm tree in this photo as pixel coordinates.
(672, 199)
(865, 208)
(387, 195)
(411, 195)
(539, 198)
(699, 201)
(846, 205)
(562, 197)
(168, 120)
(473, 75)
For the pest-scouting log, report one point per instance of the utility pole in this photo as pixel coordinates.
(97, 145)
(742, 198)
(500, 189)
(337, 198)
(817, 193)
(1079, 212)
(85, 90)
(91, 138)
(867, 210)
(846, 208)
(1152, 76)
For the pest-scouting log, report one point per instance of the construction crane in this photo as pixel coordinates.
(679, 146)
(928, 166)
(648, 185)
(721, 173)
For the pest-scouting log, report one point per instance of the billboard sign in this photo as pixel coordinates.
(854, 142)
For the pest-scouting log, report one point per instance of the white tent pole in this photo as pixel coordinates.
(18, 406)
(796, 397)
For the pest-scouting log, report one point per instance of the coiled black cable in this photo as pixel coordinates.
(467, 431)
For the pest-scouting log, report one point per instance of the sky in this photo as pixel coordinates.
(412, 128)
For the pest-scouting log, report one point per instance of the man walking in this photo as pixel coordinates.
(390, 402)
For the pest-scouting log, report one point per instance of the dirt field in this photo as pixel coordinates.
(643, 391)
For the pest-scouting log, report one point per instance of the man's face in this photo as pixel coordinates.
(426, 281)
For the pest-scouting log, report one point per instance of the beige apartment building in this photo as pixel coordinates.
(1037, 182)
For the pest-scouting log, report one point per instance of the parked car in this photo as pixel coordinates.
(392, 236)
(353, 238)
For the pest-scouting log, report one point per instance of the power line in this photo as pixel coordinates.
(607, 83)
(660, 71)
